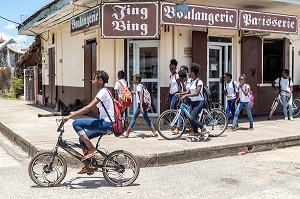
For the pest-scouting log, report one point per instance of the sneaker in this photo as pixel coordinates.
(291, 118)
(205, 134)
(84, 170)
(250, 129)
(89, 154)
(286, 118)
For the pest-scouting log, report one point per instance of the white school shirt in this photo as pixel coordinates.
(193, 89)
(242, 96)
(173, 83)
(105, 97)
(230, 89)
(139, 88)
(118, 87)
(188, 83)
(284, 83)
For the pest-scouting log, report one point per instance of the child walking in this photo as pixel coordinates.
(242, 102)
(139, 109)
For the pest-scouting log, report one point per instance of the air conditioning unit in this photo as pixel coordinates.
(246, 33)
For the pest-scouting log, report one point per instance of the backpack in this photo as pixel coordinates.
(126, 95)
(117, 126)
(146, 99)
(206, 94)
(279, 87)
(251, 97)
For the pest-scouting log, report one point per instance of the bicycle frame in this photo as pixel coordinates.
(68, 146)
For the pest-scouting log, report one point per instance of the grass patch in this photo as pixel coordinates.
(8, 98)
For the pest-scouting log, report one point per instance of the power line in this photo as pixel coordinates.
(22, 25)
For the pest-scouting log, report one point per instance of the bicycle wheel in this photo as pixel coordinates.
(47, 170)
(215, 121)
(120, 168)
(273, 108)
(167, 123)
(296, 107)
(217, 105)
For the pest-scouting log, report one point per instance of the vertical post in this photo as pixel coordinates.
(36, 82)
(25, 85)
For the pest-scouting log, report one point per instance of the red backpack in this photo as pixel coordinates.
(126, 95)
(118, 126)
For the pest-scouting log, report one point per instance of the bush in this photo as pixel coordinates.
(18, 86)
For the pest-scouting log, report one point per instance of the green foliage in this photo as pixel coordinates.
(18, 86)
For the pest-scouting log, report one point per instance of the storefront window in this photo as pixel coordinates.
(272, 59)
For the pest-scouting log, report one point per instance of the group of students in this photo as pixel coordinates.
(237, 94)
(185, 85)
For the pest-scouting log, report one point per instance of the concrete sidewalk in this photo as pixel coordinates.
(19, 122)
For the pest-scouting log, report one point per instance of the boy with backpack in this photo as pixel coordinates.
(143, 99)
(230, 92)
(122, 92)
(286, 89)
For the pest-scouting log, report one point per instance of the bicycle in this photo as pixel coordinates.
(48, 169)
(295, 103)
(214, 119)
(217, 105)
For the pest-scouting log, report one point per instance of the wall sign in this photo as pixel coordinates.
(130, 20)
(259, 21)
(85, 20)
(202, 16)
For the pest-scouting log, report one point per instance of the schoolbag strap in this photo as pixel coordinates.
(122, 86)
(105, 107)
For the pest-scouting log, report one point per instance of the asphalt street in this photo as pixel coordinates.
(273, 174)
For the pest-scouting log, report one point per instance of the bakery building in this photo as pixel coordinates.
(257, 38)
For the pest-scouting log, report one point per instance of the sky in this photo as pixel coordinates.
(18, 11)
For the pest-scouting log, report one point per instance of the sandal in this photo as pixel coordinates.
(233, 128)
(126, 134)
(154, 135)
(205, 134)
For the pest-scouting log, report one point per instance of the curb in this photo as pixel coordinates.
(176, 157)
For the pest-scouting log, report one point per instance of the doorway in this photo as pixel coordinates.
(143, 59)
(220, 56)
(52, 86)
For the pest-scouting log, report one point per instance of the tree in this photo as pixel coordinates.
(5, 76)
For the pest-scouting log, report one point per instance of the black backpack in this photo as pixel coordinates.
(279, 87)
(206, 94)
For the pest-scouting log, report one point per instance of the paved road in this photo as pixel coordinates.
(273, 174)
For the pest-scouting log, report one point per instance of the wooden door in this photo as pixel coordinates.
(199, 53)
(52, 87)
(90, 66)
(252, 64)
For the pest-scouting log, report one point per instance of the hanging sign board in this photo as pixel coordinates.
(86, 20)
(130, 20)
(270, 22)
(199, 16)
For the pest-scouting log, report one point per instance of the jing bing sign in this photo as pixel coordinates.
(130, 20)
(269, 22)
(86, 20)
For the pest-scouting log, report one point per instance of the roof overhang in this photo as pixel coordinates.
(50, 16)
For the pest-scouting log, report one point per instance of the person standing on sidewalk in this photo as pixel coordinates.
(230, 92)
(139, 109)
(243, 101)
(286, 93)
(197, 100)
(88, 128)
(174, 84)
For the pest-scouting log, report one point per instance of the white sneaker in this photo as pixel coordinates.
(291, 118)
(286, 118)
